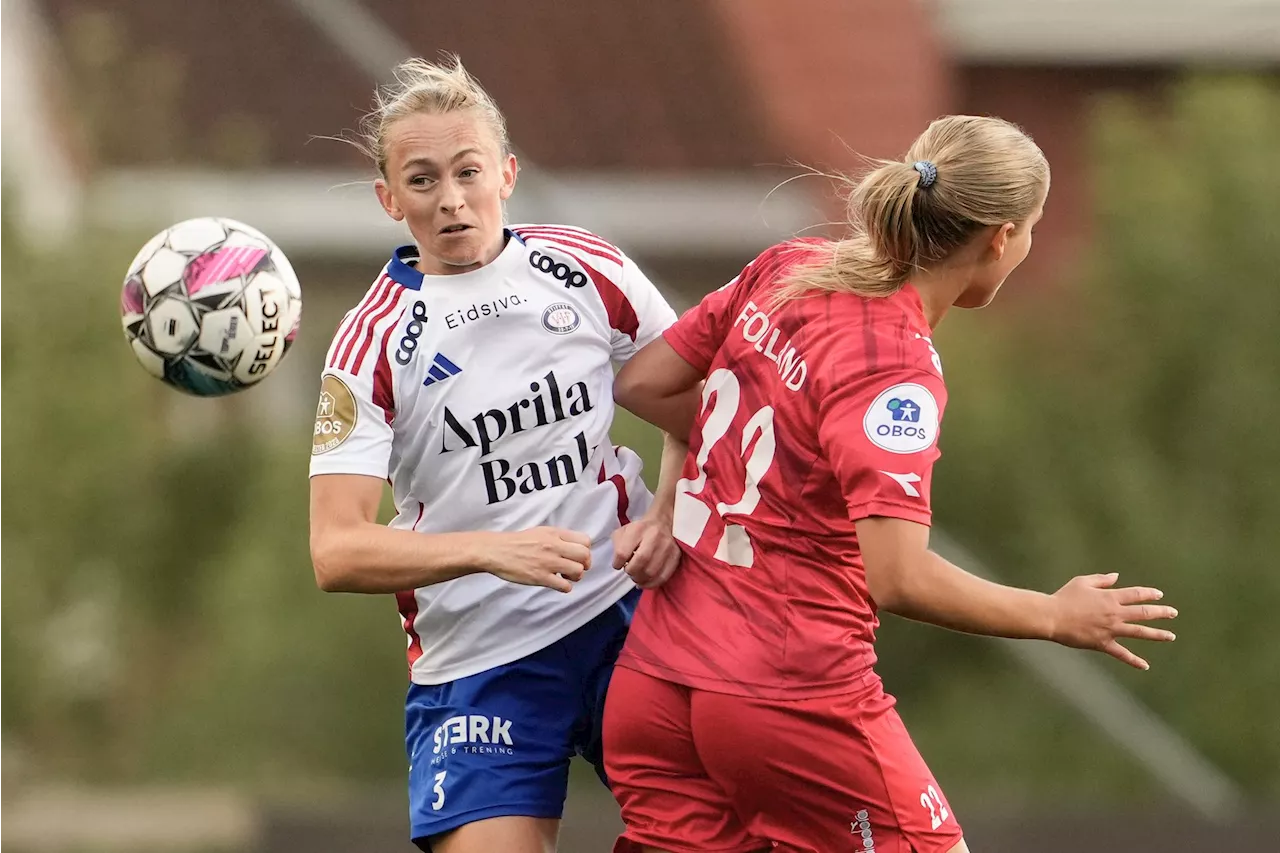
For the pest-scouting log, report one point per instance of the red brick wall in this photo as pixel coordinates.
(834, 77)
(587, 84)
(826, 73)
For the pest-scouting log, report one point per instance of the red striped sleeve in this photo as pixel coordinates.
(622, 315)
(571, 241)
(356, 317)
(383, 391)
(364, 329)
(624, 502)
(573, 230)
(358, 361)
(579, 234)
(407, 604)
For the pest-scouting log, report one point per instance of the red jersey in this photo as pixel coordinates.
(815, 414)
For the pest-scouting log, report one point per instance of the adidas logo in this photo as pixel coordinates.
(440, 370)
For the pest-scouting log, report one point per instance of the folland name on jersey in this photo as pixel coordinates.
(505, 478)
(759, 330)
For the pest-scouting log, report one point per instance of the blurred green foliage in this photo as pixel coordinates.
(160, 621)
(1128, 425)
(135, 100)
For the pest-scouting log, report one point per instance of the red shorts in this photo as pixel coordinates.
(697, 772)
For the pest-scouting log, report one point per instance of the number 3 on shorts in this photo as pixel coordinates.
(691, 514)
(438, 790)
(928, 800)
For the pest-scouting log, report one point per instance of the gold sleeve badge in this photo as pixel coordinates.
(335, 415)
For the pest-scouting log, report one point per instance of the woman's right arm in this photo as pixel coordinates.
(884, 463)
(351, 552)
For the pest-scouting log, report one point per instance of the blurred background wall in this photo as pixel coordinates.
(172, 679)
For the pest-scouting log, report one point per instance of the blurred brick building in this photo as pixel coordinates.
(663, 123)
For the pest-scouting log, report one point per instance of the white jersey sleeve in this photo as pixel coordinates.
(652, 313)
(357, 404)
(637, 312)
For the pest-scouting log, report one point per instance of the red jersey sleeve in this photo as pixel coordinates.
(880, 434)
(698, 335)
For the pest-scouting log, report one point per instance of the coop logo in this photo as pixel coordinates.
(474, 734)
(861, 826)
(547, 405)
(409, 343)
(336, 415)
(902, 419)
(558, 270)
(560, 318)
(482, 310)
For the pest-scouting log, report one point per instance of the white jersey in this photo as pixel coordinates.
(485, 399)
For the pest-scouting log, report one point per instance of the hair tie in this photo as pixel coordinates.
(928, 173)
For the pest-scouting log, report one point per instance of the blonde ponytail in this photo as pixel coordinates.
(962, 174)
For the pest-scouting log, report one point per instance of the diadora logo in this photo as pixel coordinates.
(558, 270)
(440, 370)
(907, 481)
(475, 734)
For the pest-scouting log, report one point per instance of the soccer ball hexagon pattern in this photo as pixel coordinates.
(210, 306)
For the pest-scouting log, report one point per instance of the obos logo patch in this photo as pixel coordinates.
(335, 415)
(560, 318)
(902, 419)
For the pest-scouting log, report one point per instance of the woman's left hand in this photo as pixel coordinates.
(645, 550)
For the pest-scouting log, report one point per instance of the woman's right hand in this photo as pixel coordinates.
(1090, 614)
(541, 556)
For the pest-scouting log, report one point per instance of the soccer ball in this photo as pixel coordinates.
(210, 306)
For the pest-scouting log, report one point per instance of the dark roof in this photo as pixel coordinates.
(236, 82)
(600, 85)
(584, 84)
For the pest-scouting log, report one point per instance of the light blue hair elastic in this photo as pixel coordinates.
(928, 173)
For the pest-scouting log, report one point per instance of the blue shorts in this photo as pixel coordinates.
(499, 742)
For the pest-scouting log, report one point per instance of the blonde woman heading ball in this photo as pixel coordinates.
(476, 377)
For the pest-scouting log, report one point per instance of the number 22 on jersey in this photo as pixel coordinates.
(722, 394)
